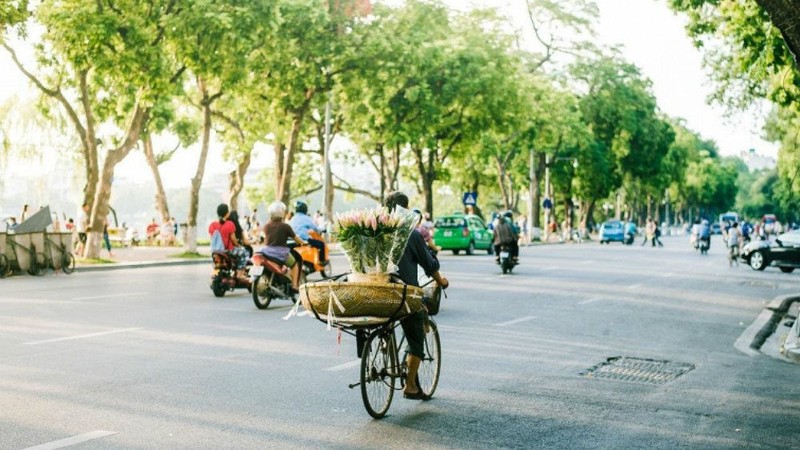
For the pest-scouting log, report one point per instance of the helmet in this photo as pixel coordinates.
(301, 207)
(276, 210)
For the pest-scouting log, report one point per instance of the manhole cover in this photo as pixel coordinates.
(638, 370)
(762, 284)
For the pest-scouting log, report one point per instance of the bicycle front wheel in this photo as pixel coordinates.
(378, 367)
(429, 368)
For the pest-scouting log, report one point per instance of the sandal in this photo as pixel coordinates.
(419, 395)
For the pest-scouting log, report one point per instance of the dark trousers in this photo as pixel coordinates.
(513, 249)
(320, 246)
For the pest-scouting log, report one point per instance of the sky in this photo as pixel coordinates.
(652, 37)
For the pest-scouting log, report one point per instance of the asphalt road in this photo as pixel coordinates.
(148, 358)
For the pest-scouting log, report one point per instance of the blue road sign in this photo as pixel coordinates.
(470, 198)
(547, 203)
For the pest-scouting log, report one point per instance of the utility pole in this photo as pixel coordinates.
(327, 197)
(547, 196)
(531, 194)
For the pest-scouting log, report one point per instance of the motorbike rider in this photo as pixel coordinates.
(704, 233)
(277, 233)
(425, 230)
(630, 231)
(302, 223)
(243, 250)
(415, 254)
(227, 231)
(504, 234)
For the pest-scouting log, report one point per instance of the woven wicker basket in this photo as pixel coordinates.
(353, 299)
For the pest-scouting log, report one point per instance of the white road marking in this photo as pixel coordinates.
(61, 443)
(591, 300)
(126, 294)
(550, 268)
(346, 365)
(584, 262)
(635, 286)
(512, 322)
(102, 333)
(668, 275)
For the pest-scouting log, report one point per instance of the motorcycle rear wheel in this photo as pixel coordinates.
(262, 297)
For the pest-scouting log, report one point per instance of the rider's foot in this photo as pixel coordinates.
(418, 395)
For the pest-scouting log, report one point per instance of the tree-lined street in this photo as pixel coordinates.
(152, 358)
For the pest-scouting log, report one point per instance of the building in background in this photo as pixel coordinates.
(756, 162)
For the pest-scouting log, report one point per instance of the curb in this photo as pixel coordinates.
(767, 323)
(141, 264)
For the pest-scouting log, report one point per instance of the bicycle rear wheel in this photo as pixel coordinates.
(378, 367)
(4, 266)
(429, 368)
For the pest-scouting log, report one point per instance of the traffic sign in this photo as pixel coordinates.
(547, 203)
(470, 198)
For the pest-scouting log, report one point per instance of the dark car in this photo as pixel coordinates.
(612, 231)
(783, 252)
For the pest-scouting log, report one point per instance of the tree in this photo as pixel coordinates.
(103, 64)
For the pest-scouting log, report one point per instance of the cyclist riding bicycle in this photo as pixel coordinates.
(416, 253)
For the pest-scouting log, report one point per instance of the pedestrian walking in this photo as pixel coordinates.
(649, 232)
(106, 239)
(657, 235)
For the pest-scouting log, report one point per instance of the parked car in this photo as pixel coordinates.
(463, 232)
(716, 228)
(612, 231)
(783, 252)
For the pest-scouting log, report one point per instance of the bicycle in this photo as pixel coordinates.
(65, 258)
(381, 366)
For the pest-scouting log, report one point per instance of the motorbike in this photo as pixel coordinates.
(506, 261)
(272, 279)
(703, 245)
(628, 240)
(311, 258)
(224, 277)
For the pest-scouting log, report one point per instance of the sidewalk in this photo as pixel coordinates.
(135, 257)
(141, 256)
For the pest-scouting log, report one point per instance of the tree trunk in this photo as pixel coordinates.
(785, 15)
(100, 205)
(283, 171)
(426, 167)
(194, 191)
(501, 181)
(161, 197)
(236, 181)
